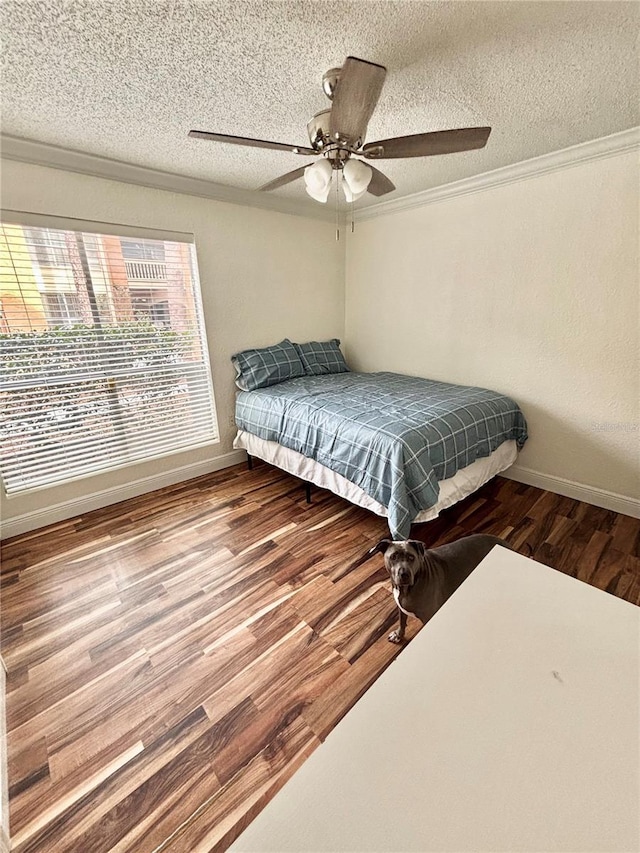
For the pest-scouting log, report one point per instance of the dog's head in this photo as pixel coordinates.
(404, 559)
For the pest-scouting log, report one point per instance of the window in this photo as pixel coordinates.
(47, 247)
(142, 250)
(149, 305)
(98, 368)
(62, 309)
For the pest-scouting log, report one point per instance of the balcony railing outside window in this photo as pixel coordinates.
(146, 270)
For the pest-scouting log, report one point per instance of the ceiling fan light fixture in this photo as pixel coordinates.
(317, 180)
(350, 196)
(357, 177)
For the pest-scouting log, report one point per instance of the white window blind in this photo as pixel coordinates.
(103, 357)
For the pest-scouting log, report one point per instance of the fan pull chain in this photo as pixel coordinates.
(337, 181)
(352, 222)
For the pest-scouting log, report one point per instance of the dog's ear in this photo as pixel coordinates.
(382, 546)
(419, 546)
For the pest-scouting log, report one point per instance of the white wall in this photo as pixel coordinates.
(264, 276)
(529, 288)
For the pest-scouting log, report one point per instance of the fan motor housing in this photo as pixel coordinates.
(337, 156)
(318, 129)
(320, 138)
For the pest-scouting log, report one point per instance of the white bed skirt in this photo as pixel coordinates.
(464, 483)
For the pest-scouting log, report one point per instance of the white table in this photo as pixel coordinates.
(510, 723)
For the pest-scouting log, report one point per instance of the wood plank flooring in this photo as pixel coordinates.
(174, 658)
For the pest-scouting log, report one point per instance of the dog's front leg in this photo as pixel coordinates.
(398, 636)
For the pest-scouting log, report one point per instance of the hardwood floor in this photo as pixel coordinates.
(174, 658)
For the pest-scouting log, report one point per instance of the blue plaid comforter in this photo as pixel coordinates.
(394, 436)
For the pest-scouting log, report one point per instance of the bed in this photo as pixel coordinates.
(401, 446)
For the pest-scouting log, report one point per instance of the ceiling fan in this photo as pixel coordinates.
(338, 134)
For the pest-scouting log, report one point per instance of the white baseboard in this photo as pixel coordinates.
(59, 512)
(578, 491)
(87, 503)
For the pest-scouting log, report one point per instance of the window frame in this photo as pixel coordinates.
(202, 366)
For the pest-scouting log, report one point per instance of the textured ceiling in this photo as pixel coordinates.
(127, 80)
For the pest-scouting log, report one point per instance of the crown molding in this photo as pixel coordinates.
(596, 149)
(70, 160)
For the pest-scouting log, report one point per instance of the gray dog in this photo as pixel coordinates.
(423, 579)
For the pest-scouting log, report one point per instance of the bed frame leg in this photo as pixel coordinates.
(250, 462)
(307, 488)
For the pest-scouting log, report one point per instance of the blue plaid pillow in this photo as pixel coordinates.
(258, 368)
(320, 357)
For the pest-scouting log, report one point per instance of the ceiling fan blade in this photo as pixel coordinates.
(355, 98)
(379, 183)
(252, 143)
(284, 179)
(428, 144)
